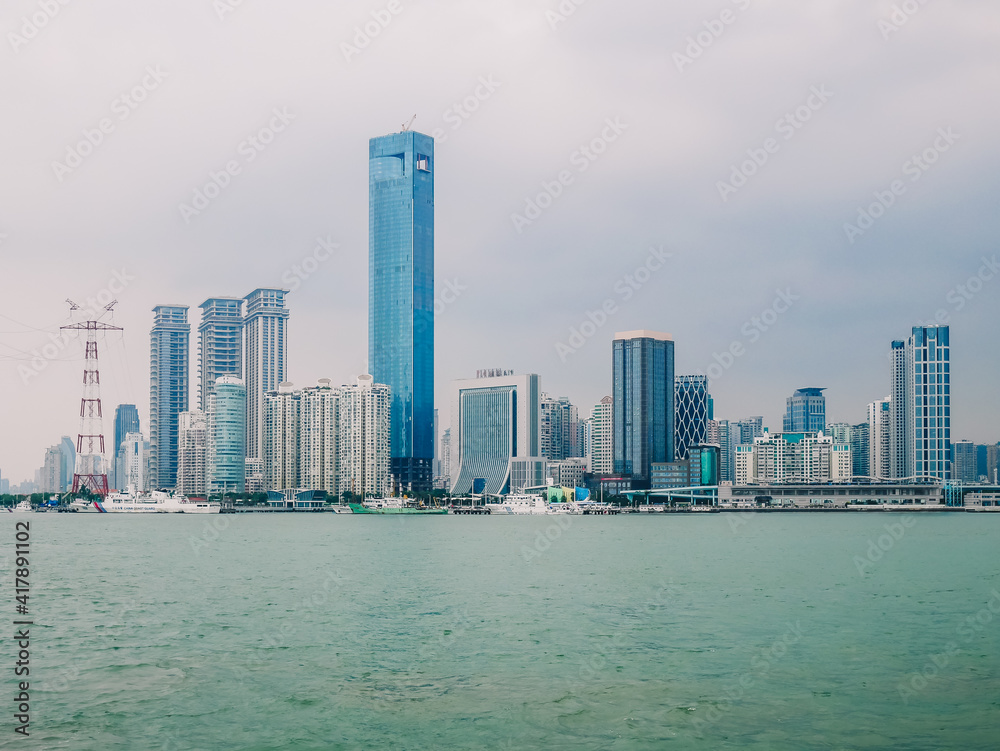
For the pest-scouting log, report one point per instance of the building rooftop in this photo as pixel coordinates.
(643, 334)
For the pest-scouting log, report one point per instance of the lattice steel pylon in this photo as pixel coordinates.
(89, 471)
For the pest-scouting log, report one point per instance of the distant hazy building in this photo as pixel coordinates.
(643, 380)
(69, 462)
(126, 421)
(444, 470)
(746, 431)
(691, 405)
(793, 457)
(805, 411)
(879, 430)
(920, 412)
(725, 435)
(493, 420)
(266, 338)
(226, 459)
(169, 386)
(965, 462)
(191, 453)
(220, 344)
(135, 462)
(401, 296)
(993, 463)
(840, 432)
(602, 460)
(860, 448)
(51, 477)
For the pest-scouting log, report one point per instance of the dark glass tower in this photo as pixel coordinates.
(693, 408)
(643, 423)
(401, 297)
(126, 421)
(805, 412)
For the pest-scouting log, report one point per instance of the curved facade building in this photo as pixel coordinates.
(493, 420)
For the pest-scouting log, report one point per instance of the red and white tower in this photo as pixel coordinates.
(90, 468)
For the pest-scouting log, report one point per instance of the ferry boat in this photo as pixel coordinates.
(393, 506)
(156, 502)
(519, 505)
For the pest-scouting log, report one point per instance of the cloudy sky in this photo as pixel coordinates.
(680, 167)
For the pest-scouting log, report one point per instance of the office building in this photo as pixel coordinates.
(169, 386)
(748, 430)
(227, 414)
(879, 430)
(220, 344)
(559, 420)
(126, 421)
(725, 435)
(401, 296)
(643, 423)
(964, 470)
(265, 327)
(567, 473)
(805, 411)
(691, 405)
(793, 457)
(860, 448)
(493, 420)
(191, 453)
(920, 410)
(602, 460)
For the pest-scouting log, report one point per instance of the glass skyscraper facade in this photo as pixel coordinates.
(493, 422)
(921, 405)
(169, 386)
(220, 344)
(401, 297)
(805, 412)
(126, 421)
(643, 383)
(692, 406)
(266, 327)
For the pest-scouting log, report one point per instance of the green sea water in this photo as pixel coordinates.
(288, 631)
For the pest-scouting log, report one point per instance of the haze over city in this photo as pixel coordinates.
(575, 153)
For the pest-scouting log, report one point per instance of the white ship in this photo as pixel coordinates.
(156, 502)
(23, 506)
(519, 505)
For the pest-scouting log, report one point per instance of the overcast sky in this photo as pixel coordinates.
(829, 100)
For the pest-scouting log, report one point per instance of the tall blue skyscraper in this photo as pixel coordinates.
(920, 431)
(401, 297)
(643, 422)
(693, 407)
(169, 385)
(805, 412)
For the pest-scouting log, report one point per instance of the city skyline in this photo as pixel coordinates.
(296, 216)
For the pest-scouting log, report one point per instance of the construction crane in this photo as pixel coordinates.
(406, 127)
